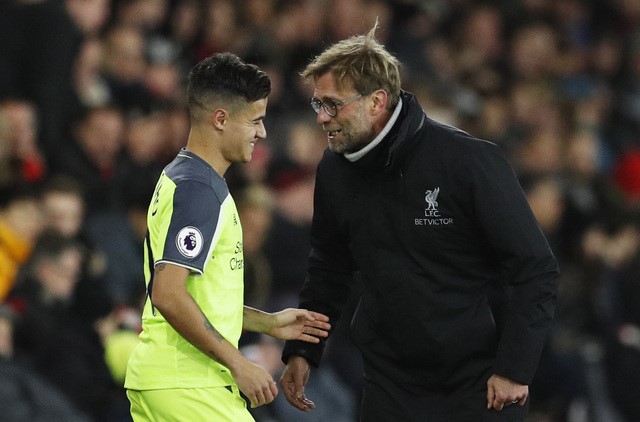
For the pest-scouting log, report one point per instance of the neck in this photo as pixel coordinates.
(203, 142)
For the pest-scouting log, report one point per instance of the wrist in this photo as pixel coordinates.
(236, 363)
(269, 324)
(297, 360)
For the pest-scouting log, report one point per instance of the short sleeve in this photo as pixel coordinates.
(192, 230)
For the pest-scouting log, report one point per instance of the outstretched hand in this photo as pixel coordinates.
(299, 324)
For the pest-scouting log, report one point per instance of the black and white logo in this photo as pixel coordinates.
(432, 215)
(430, 198)
(189, 241)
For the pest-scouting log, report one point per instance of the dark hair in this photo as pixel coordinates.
(50, 245)
(19, 191)
(224, 78)
(62, 183)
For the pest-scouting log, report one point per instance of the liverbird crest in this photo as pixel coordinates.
(430, 197)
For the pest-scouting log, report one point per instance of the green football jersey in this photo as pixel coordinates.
(192, 222)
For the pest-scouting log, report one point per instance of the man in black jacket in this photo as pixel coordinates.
(459, 283)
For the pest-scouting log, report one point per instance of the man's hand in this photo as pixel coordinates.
(293, 381)
(299, 324)
(502, 392)
(255, 383)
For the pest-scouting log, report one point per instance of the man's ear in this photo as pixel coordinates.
(218, 118)
(379, 98)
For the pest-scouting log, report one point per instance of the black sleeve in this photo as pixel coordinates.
(526, 261)
(329, 275)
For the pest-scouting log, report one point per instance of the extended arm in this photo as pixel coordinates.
(288, 324)
(177, 306)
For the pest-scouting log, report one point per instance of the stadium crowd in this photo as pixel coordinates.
(92, 107)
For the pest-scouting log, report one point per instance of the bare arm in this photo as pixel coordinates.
(177, 306)
(288, 324)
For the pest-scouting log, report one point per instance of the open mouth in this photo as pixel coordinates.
(332, 133)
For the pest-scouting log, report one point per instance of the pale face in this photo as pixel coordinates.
(243, 129)
(352, 128)
(64, 211)
(60, 275)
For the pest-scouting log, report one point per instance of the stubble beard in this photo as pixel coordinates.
(351, 142)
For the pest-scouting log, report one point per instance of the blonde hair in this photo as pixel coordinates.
(361, 60)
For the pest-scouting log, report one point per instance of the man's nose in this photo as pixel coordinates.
(322, 117)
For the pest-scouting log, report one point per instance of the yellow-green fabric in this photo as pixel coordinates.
(219, 404)
(192, 222)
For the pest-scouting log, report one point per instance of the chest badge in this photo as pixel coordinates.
(432, 215)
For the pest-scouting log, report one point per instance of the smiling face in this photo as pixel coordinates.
(352, 127)
(243, 128)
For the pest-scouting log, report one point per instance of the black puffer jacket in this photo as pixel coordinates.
(440, 230)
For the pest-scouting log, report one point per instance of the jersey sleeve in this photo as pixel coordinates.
(193, 228)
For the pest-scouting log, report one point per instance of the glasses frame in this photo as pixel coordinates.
(327, 105)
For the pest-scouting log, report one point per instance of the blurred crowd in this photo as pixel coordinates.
(92, 107)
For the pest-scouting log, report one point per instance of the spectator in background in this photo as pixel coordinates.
(177, 122)
(146, 15)
(21, 222)
(612, 254)
(44, 75)
(255, 208)
(94, 157)
(27, 162)
(62, 344)
(560, 382)
(24, 395)
(120, 234)
(89, 83)
(64, 206)
(89, 16)
(287, 246)
(98, 162)
(145, 140)
(591, 199)
(220, 30)
(618, 298)
(64, 210)
(124, 69)
(291, 179)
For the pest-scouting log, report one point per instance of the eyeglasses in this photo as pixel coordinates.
(331, 107)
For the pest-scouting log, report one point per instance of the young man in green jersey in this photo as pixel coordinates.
(187, 365)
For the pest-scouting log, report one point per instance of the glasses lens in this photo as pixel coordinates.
(315, 104)
(330, 107)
